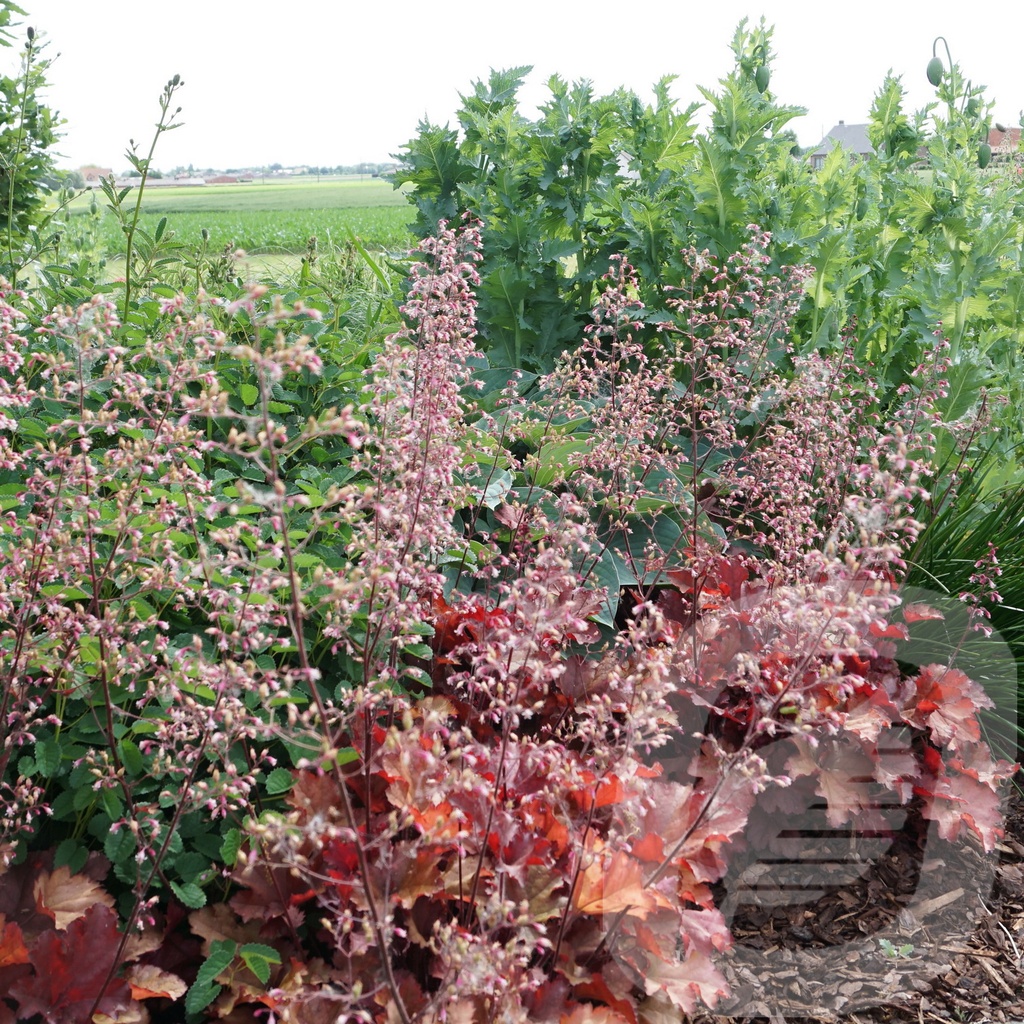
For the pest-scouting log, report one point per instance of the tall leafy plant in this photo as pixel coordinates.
(144, 253)
(28, 128)
(914, 240)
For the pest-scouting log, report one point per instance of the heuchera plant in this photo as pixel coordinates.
(533, 661)
(530, 831)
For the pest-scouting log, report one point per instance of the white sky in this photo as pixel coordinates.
(334, 81)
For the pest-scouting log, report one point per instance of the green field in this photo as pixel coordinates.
(271, 216)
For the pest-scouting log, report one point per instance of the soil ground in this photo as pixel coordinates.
(934, 931)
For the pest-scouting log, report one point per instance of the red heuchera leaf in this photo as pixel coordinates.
(597, 987)
(705, 931)
(947, 706)
(919, 612)
(963, 798)
(692, 825)
(12, 944)
(614, 885)
(71, 969)
(844, 773)
(455, 626)
(696, 978)
(601, 791)
(724, 576)
(892, 630)
(977, 762)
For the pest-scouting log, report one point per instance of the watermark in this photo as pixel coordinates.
(843, 858)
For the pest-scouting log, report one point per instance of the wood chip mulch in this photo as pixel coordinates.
(928, 931)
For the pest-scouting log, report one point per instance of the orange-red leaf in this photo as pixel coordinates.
(149, 982)
(614, 885)
(918, 612)
(12, 945)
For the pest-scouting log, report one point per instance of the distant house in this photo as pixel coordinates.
(93, 175)
(1004, 144)
(159, 182)
(851, 137)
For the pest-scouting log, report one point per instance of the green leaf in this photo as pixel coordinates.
(554, 460)
(190, 894)
(119, 846)
(230, 846)
(494, 493)
(258, 959)
(131, 757)
(248, 393)
(47, 754)
(65, 592)
(418, 651)
(204, 990)
(71, 854)
(112, 803)
(279, 781)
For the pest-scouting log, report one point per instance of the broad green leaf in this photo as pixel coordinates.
(418, 651)
(554, 460)
(230, 846)
(279, 781)
(131, 756)
(190, 894)
(72, 854)
(65, 592)
(48, 757)
(120, 846)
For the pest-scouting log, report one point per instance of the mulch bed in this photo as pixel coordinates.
(928, 931)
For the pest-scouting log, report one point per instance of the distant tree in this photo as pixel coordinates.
(28, 129)
(65, 179)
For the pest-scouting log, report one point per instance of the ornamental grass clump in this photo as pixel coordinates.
(447, 703)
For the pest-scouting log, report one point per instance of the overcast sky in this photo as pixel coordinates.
(336, 82)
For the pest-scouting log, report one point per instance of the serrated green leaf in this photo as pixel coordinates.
(199, 996)
(248, 393)
(418, 651)
(279, 781)
(71, 854)
(190, 894)
(47, 754)
(119, 846)
(131, 756)
(258, 959)
(112, 803)
(230, 846)
(204, 990)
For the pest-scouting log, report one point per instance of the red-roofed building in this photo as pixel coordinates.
(1004, 143)
(92, 175)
